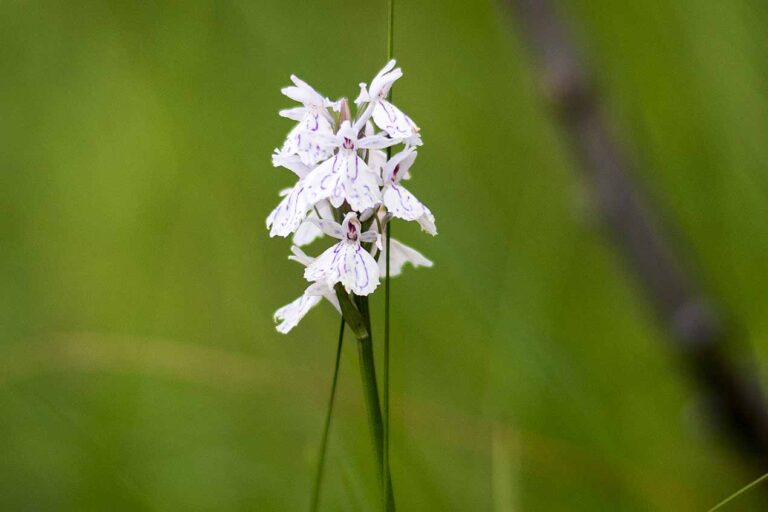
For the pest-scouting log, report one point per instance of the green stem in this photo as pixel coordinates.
(385, 460)
(391, 30)
(327, 427)
(370, 388)
(739, 492)
(386, 476)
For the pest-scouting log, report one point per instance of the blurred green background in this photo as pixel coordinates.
(139, 366)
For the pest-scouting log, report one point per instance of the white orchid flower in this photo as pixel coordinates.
(313, 120)
(346, 262)
(346, 176)
(386, 116)
(400, 256)
(291, 314)
(397, 199)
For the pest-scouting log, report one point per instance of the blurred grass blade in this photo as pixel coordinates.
(386, 477)
(315, 503)
(738, 493)
(503, 465)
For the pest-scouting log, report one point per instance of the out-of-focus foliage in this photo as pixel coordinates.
(139, 367)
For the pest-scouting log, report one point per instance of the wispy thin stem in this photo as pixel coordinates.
(385, 462)
(391, 29)
(739, 493)
(315, 503)
(385, 474)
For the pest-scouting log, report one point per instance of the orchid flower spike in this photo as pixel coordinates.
(342, 172)
(386, 116)
(397, 199)
(346, 262)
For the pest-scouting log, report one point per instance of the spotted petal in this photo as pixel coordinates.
(345, 177)
(288, 215)
(290, 314)
(401, 255)
(348, 264)
(306, 139)
(404, 205)
(393, 121)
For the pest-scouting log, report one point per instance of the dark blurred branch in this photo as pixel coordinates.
(692, 325)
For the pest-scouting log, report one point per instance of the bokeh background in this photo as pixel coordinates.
(139, 366)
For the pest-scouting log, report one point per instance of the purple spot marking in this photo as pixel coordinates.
(362, 265)
(323, 186)
(390, 111)
(357, 170)
(406, 207)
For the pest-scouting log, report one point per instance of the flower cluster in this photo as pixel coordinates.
(348, 188)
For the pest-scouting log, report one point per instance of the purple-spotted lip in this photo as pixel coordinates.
(352, 232)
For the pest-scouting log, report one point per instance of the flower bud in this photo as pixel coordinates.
(344, 112)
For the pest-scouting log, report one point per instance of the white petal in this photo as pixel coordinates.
(290, 314)
(376, 160)
(323, 181)
(287, 216)
(360, 274)
(290, 162)
(308, 139)
(307, 232)
(303, 93)
(296, 113)
(393, 121)
(404, 205)
(324, 208)
(329, 227)
(401, 255)
(366, 214)
(369, 236)
(413, 140)
(326, 292)
(377, 142)
(344, 177)
(363, 97)
(348, 264)
(300, 256)
(316, 121)
(402, 161)
(360, 184)
(324, 268)
(384, 79)
(331, 297)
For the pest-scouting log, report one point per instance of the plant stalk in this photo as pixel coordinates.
(370, 389)
(386, 477)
